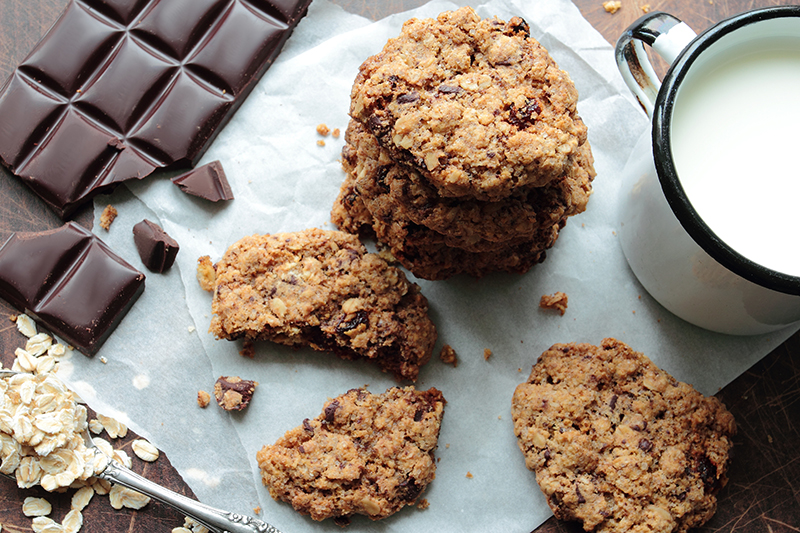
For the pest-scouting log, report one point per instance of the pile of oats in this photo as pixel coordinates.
(41, 422)
(41, 353)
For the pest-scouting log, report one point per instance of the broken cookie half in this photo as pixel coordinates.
(364, 454)
(322, 289)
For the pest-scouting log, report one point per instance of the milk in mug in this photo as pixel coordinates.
(735, 136)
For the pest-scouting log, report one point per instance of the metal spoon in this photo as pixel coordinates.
(214, 519)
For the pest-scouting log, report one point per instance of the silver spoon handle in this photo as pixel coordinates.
(214, 519)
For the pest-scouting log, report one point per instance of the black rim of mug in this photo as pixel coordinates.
(667, 175)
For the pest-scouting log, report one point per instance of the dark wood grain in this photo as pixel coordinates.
(764, 492)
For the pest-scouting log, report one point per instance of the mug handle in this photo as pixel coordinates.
(665, 34)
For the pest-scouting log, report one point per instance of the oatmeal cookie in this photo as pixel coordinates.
(619, 444)
(425, 252)
(478, 107)
(364, 454)
(322, 289)
(473, 225)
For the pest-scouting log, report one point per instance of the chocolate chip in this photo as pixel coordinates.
(359, 318)
(307, 426)
(525, 116)
(330, 411)
(408, 98)
(613, 402)
(707, 471)
(377, 126)
(518, 25)
(409, 489)
(581, 499)
(380, 178)
(645, 445)
(449, 89)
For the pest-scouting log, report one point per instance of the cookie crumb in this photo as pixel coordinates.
(257, 510)
(206, 274)
(336, 133)
(203, 399)
(320, 143)
(557, 301)
(469, 475)
(103, 360)
(248, 350)
(108, 216)
(323, 130)
(487, 353)
(234, 393)
(448, 355)
(423, 504)
(646, 8)
(612, 6)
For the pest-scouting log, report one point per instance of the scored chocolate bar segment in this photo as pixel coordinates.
(70, 281)
(208, 181)
(119, 88)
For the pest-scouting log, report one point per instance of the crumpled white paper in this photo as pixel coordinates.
(161, 354)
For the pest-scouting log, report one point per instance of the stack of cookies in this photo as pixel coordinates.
(465, 152)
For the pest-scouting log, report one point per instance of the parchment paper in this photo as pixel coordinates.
(161, 354)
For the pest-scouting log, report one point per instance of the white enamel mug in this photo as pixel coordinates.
(710, 200)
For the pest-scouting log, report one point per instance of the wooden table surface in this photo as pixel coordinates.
(763, 494)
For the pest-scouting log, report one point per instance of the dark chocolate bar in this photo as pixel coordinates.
(119, 88)
(70, 281)
(208, 182)
(156, 249)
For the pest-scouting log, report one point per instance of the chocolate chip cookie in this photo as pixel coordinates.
(365, 454)
(474, 225)
(619, 444)
(324, 290)
(425, 252)
(477, 107)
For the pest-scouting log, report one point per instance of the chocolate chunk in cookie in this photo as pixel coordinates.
(324, 290)
(617, 443)
(364, 454)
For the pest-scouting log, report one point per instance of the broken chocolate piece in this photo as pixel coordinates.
(234, 393)
(70, 281)
(156, 249)
(207, 181)
(118, 89)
